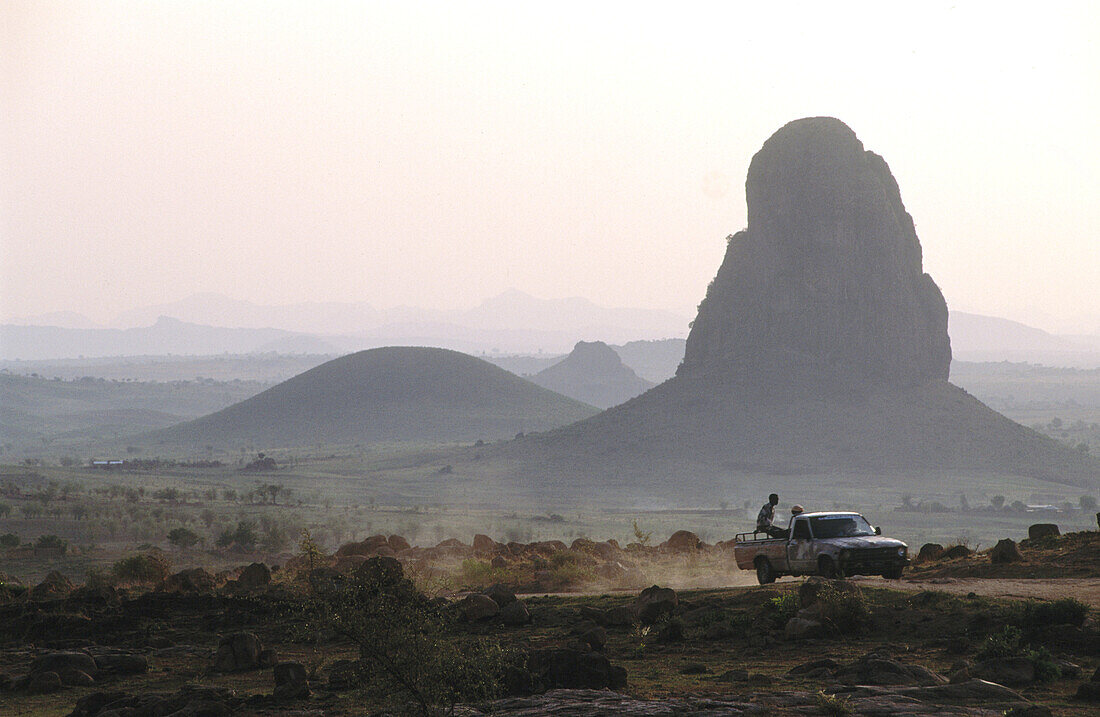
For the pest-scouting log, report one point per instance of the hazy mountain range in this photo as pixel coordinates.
(511, 323)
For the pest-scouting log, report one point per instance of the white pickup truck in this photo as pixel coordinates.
(831, 544)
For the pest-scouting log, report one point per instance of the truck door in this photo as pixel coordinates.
(800, 552)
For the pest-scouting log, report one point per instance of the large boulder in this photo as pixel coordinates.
(1005, 551)
(398, 544)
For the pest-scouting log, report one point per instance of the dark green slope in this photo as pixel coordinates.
(393, 394)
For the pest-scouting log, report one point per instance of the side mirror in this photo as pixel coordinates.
(878, 530)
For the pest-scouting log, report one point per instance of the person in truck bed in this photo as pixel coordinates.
(765, 517)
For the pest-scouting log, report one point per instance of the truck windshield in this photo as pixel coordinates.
(840, 526)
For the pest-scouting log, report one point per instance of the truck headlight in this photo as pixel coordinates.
(901, 552)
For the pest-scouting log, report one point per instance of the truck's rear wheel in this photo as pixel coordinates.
(764, 572)
(826, 568)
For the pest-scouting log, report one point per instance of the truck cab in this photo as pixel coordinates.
(831, 544)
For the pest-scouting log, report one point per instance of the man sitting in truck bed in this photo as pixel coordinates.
(765, 517)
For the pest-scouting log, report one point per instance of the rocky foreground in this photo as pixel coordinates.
(256, 645)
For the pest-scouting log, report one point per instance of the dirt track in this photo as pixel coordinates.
(1084, 589)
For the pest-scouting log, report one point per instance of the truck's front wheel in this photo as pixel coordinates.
(893, 573)
(764, 572)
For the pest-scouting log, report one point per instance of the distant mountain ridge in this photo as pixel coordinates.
(512, 323)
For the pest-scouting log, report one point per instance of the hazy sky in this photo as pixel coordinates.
(437, 154)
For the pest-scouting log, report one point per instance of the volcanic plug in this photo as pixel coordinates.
(825, 286)
(821, 346)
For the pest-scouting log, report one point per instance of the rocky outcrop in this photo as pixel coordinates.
(821, 345)
(825, 287)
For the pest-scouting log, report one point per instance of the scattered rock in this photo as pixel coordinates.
(238, 652)
(929, 551)
(499, 561)
(1042, 530)
(255, 575)
(54, 587)
(484, 544)
(595, 637)
(877, 669)
(565, 668)
(501, 595)
(43, 683)
(815, 668)
(1011, 671)
(122, 663)
(1005, 551)
(617, 617)
(955, 552)
(194, 580)
(682, 541)
(694, 668)
(398, 543)
(476, 607)
(653, 602)
(291, 681)
(514, 614)
(799, 628)
(75, 678)
(59, 661)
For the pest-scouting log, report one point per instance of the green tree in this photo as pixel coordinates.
(51, 542)
(182, 537)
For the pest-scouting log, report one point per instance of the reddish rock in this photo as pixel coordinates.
(682, 541)
(397, 544)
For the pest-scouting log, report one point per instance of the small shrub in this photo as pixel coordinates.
(642, 537)
(833, 705)
(844, 611)
(570, 574)
(51, 542)
(143, 568)
(1005, 643)
(9, 540)
(785, 606)
(1046, 669)
(182, 537)
(1039, 613)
